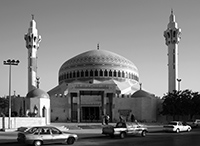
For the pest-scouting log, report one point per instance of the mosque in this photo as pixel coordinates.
(99, 82)
(96, 83)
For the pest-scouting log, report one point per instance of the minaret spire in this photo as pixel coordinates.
(32, 44)
(172, 16)
(172, 11)
(32, 16)
(172, 38)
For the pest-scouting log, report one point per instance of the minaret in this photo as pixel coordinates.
(172, 38)
(32, 44)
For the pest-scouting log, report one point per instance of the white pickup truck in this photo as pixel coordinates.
(125, 128)
(194, 123)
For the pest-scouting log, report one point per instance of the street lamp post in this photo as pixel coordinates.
(10, 63)
(179, 84)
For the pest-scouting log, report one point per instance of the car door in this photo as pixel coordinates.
(135, 128)
(57, 135)
(45, 135)
(182, 126)
(130, 128)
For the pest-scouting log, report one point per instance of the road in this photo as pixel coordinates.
(154, 138)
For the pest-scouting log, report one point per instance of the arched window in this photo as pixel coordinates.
(110, 73)
(115, 73)
(171, 33)
(29, 38)
(82, 73)
(105, 73)
(91, 73)
(34, 39)
(86, 73)
(168, 34)
(174, 33)
(101, 73)
(96, 73)
(74, 74)
(67, 75)
(119, 74)
(77, 74)
(123, 74)
(70, 75)
(135, 77)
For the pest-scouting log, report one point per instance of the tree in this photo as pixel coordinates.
(171, 100)
(195, 101)
(181, 103)
(185, 104)
(4, 103)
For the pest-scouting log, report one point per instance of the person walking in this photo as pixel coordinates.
(132, 118)
(107, 119)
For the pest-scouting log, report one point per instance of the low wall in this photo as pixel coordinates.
(16, 122)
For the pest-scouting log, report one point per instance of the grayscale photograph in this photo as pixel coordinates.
(99, 72)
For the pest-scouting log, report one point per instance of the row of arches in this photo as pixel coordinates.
(97, 73)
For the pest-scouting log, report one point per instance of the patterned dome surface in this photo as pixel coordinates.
(98, 57)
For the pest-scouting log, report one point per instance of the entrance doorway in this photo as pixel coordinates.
(90, 114)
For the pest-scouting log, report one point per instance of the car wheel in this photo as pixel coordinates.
(144, 133)
(189, 129)
(122, 135)
(177, 130)
(70, 140)
(37, 143)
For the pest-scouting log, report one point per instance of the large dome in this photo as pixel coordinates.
(97, 64)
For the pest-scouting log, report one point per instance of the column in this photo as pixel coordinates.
(113, 106)
(104, 103)
(78, 107)
(69, 110)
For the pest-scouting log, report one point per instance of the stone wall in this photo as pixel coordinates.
(17, 122)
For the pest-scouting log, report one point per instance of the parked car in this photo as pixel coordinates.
(176, 126)
(40, 135)
(194, 123)
(125, 128)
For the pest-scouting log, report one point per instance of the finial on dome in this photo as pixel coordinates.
(32, 23)
(140, 86)
(32, 15)
(37, 81)
(98, 46)
(172, 16)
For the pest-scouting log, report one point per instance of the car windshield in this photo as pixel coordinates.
(121, 125)
(32, 130)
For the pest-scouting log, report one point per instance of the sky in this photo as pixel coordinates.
(131, 28)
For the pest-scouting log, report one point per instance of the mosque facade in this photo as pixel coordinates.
(97, 83)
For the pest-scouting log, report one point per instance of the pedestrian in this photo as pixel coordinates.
(132, 118)
(107, 119)
(120, 118)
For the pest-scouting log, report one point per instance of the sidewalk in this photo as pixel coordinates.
(97, 127)
(87, 127)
